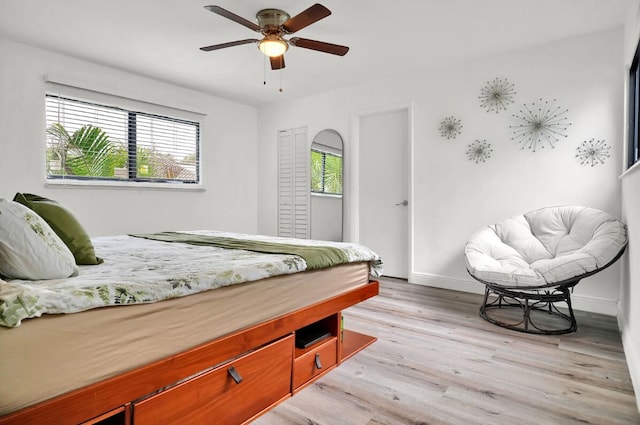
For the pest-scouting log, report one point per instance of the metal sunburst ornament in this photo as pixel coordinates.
(541, 122)
(496, 95)
(479, 151)
(593, 152)
(450, 127)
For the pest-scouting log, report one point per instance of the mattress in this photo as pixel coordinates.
(137, 270)
(55, 354)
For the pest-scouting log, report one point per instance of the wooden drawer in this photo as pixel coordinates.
(305, 366)
(119, 416)
(215, 398)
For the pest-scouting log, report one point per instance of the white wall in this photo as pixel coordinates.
(326, 218)
(629, 315)
(453, 197)
(228, 150)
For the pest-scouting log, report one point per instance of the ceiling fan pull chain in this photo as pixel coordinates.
(264, 70)
(281, 71)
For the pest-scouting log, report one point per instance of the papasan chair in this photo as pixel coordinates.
(529, 264)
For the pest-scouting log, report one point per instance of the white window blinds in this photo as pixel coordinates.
(93, 141)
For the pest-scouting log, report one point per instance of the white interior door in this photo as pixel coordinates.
(384, 188)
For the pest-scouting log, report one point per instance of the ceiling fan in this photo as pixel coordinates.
(273, 24)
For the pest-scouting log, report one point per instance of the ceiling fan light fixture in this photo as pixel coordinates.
(273, 46)
(274, 25)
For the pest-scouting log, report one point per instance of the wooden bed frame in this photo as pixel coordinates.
(229, 380)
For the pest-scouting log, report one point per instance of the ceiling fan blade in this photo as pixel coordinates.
(320, 46)
(277, 62)
(235, 18)
(306, 18)
(229, 44)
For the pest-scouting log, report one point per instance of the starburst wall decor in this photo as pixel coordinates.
(593, 152)
(450, 127)
(541, 122)
(496, 95)
(479, 151)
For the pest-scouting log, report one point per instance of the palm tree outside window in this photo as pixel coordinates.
(326, 173)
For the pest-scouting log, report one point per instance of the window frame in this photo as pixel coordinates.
(633, 148)
(323, 192)
(133, 179)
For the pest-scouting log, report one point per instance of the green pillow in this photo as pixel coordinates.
(64, 224)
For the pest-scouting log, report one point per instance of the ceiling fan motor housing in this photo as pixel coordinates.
(270, 20)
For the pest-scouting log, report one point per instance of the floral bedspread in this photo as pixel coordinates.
(137, 270)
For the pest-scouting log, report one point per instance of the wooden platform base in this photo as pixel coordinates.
(227, 381)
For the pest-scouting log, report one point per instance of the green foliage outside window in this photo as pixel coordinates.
(326, 173)
(90, 152)
(86, 152)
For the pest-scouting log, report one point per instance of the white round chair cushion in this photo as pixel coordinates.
(545, 246)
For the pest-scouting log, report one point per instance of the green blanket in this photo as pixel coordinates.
(316, 257)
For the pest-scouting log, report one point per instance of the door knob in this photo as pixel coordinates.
(403, 203)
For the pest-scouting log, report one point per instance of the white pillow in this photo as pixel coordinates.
(29, 248)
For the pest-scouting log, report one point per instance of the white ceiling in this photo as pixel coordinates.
(161, 38)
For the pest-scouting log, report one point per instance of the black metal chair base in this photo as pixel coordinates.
(540, 300)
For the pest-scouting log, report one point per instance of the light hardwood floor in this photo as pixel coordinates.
(437, 362)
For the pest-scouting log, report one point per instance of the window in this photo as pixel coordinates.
(326, 172)
(97, 142)
(634, 109)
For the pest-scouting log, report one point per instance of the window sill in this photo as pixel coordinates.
(62, 183)
(631, 170)
(325, 195)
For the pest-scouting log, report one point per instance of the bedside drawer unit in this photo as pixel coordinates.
(227, 395)
(314, 361)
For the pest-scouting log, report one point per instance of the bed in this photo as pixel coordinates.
(221, 343)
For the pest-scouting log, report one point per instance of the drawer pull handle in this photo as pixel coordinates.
(235, 375)
(317, 362)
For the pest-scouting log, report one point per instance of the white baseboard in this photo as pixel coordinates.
(580, 302)
(632, 355)
(595, 305)
(446, 282)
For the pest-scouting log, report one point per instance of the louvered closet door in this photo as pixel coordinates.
(293, 184)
